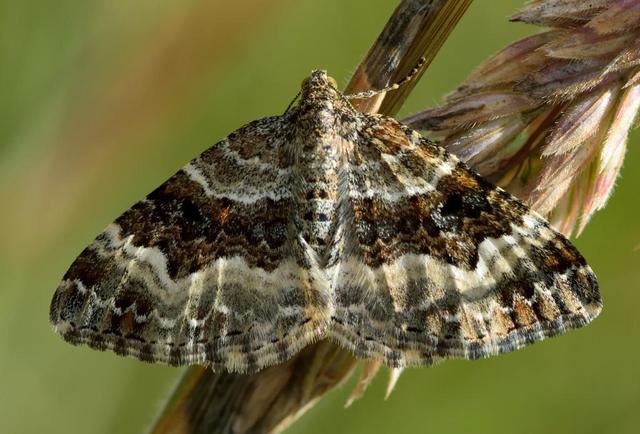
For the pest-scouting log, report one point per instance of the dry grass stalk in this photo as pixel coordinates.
(547, 118)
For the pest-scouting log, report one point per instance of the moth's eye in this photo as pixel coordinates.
(332, 82)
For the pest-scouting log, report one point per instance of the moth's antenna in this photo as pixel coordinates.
(293, 101)
(409, 77)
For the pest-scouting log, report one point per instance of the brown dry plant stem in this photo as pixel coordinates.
(267, 402)
(208, 402)
(417, 29)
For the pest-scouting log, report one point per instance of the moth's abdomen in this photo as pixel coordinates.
(318, 171)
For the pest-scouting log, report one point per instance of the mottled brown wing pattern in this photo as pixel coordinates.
(443, 264)
(208, 268)
(324, 222)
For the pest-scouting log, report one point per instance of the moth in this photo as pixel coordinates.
(324, 223)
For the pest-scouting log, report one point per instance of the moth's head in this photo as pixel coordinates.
(319, 85)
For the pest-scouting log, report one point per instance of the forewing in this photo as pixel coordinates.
(207, 269)
(439, 263)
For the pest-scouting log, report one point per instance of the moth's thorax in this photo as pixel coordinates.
(321, 101)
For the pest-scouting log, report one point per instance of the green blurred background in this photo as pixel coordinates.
(102, 100)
